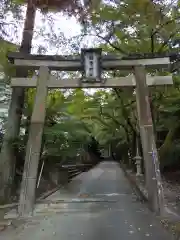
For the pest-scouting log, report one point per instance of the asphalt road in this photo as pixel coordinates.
(99, 204)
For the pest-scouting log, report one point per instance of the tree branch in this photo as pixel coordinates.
(152, 41)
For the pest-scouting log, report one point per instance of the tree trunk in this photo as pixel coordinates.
(7, 158)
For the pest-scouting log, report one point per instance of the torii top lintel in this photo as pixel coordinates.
(73, 63)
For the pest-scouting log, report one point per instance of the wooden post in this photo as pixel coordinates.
(152, 172)
(28, 187)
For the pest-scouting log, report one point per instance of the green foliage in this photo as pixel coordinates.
(123, 27)
(5, 67)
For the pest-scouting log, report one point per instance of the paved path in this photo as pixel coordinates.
(119, 215)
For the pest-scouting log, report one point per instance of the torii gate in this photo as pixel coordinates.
(91, 63)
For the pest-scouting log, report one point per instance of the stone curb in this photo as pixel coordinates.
(13, 222)
(168, 223)
(135, 186)
(47, 194)
(6, 223)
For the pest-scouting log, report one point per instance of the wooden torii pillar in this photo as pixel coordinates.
(45, 80)
(27, 194)
(152, 171)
